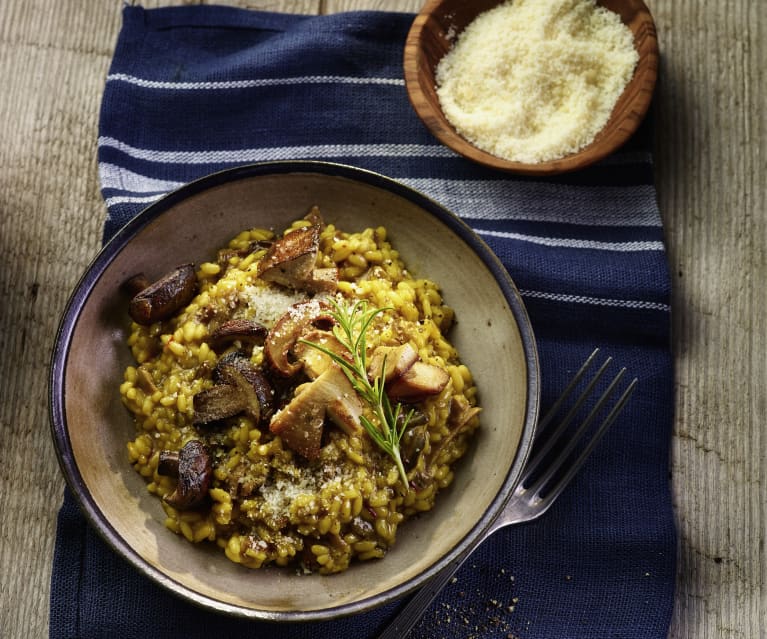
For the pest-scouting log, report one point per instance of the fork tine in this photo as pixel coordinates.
(562, 426)
(573, 468)
(544, 422)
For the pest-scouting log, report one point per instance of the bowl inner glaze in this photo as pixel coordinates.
(91, 426)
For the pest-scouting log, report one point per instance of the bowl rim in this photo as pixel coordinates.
(84, 287)
(643, 81)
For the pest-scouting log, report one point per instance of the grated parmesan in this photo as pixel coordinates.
(536, 80)
(267, 303)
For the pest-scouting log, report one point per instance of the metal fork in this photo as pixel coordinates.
(542, 481)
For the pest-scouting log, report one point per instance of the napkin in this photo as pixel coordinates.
(195, 89)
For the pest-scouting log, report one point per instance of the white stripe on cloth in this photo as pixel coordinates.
(240, 156)
(478, 199)
(313, 151)
(133, 199)
(542, 202)
(573, 243)
(597, 301)
(117, 177)
(246, 84)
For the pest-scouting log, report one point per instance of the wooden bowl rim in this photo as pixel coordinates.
(628, 121)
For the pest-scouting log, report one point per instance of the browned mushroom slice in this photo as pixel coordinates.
(420, 381)
(244, 330)
(218, 402)
(291, 259)
(145, 380)
(240, 387)
(194, 476)
(300, 423)
(460, 412)
(163, 298)
(167, 464)
(399, 359)
(237, 370)
(288, 328)
(322, 280)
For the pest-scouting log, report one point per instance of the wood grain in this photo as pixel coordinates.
(712, 188)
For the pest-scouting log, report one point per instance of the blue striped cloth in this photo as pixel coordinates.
(195, 89)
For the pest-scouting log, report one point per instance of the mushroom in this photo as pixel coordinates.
(414, 439)
(460, 412)
(218, 402)
(160, 300)
(458, 420)
(193, 468)
(291, 259)
(314, 361)
(168, 463)
(237, 369)
(288, 328)
(398, 360)
(300, 423)
(240, 388)
(420, 381)
(145, 380)
(242, 330)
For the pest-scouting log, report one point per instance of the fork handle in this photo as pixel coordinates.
(415, 608)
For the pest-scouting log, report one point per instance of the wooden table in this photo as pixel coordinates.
(712, 185)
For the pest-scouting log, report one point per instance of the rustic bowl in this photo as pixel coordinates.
(441, 21)
(90, 426)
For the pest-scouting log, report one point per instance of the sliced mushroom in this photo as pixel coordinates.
(240, 388)
(167, 465)
(218, 402)
(322, 280)
(300, 423)
(398, 360)
(291, 259)
(194, 476)
(460, 412)
(163, 298)
(420, 381)
(244, 330)
(288, 328)
(145, 381)
(459, 419)
(414, 439)
(314, 361)
(236, 369)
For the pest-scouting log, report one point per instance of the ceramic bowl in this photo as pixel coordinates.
(90, 426)
(440, 22)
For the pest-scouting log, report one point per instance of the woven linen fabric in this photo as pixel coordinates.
(196, 89)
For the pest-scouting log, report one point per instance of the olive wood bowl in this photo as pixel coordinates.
(431, 36)
(91, 427)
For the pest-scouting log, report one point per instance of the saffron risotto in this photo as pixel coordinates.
(267, 504)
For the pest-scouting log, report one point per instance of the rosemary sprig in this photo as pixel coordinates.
(351, 330)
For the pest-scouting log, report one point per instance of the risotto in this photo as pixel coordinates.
(296, 399)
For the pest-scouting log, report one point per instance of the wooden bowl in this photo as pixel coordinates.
(91, 426)
(433, 33)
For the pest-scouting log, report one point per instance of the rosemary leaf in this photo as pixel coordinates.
(353, 322)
